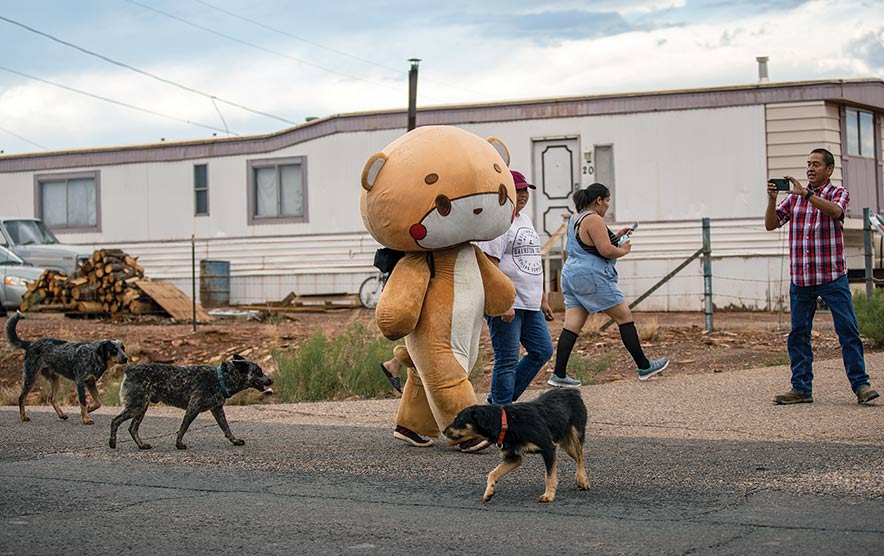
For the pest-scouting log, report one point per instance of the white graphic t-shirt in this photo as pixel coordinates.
(519, 253)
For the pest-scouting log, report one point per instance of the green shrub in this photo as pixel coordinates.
(870, 315)
(342, 366)
(110, 387)
(332, 368)
(585, 369)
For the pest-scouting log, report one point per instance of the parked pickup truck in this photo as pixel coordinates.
(31, 240)
(14, 277)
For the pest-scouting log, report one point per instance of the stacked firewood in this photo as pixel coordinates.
(106, 283)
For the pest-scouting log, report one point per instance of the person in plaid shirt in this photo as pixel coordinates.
(816, 263)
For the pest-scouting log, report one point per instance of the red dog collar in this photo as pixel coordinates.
(503, 427)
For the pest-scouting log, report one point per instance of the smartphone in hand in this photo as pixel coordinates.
(782, 184)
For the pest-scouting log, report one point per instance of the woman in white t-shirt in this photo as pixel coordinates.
(517, 254)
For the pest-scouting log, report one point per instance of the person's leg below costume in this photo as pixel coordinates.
(538, 346)
(802, 301)
(840, 302)
(414, 415)
(505, 343)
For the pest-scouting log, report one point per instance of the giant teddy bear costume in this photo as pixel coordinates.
(430, 193)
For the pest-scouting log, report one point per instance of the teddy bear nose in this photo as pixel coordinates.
(477, 211)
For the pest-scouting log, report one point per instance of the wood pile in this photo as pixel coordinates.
(106, 283)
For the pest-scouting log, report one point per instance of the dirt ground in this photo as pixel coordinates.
(739, 341)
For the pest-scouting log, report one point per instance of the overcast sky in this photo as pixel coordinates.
(290, 59)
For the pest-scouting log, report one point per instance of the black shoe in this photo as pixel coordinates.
(394, 380)
(474, 445)
(413, 438)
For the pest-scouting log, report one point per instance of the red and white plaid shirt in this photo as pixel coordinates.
(816, 241)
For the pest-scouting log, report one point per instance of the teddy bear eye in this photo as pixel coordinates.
(431, 179)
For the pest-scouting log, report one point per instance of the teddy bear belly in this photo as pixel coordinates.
(451, 318)
(467, 309)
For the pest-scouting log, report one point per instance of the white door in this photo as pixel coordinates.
(556, 173)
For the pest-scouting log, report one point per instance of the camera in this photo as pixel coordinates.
(782, 184)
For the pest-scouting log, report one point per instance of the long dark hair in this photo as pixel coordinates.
(584, 197)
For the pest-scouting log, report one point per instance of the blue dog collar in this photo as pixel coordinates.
(224, 391)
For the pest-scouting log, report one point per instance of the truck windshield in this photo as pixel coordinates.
(29, 232)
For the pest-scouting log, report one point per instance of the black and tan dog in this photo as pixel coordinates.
(557, 417)
(84, 363)
(194, 389)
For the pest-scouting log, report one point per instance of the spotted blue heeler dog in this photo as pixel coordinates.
(84, 363)
(194, 389)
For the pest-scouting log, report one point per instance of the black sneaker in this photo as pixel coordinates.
(413, 438)
(474, 445)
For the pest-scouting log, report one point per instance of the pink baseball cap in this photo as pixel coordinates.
(521, 182)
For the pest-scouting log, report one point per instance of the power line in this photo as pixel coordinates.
(17, 136)
(120, 103)
(330, 49)
(142, 72)
(261, 48)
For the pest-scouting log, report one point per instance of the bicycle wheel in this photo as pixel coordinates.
(370, 292)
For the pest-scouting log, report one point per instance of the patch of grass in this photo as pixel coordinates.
(648, 329)
(276, 319)
(342, 366)
(593, 325)
(109, 386)
(585, 369)
(777, 361)
(479, 368)
(870, 315)
(8, 396)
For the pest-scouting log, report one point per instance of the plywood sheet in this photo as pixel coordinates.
(172, 300)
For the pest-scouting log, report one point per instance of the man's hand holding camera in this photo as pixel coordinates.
(775, 186)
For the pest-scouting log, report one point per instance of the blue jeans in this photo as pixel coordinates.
(837, 297)
(511, 375)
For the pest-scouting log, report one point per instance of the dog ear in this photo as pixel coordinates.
(238, 357)
(107, 348)
(487, 419)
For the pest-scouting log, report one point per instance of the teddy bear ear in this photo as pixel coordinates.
(372, 169)
(500, 148)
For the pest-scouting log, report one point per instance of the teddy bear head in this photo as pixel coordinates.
(436, 187)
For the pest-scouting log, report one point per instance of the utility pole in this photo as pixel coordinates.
(412, 93)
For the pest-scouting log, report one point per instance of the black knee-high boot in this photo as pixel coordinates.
(563, 351)
(629, 335)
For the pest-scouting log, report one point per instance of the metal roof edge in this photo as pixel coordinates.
(868, 92)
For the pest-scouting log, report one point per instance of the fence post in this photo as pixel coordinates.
(707, 274)
(867, 246)
(193, 279)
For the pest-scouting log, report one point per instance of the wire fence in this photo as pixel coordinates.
(740, 274)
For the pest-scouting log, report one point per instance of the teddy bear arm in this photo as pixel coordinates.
(399, 307)
(499, 290)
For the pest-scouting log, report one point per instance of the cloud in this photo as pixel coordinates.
(870, 49)
(471, 51)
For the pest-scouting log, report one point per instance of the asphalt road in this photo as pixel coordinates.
(699, 464)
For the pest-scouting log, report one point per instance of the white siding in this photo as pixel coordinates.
(672, 169)
(796, 128)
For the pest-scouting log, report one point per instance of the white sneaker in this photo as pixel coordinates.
(563, 382)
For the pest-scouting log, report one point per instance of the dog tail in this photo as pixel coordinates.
(13, 338)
